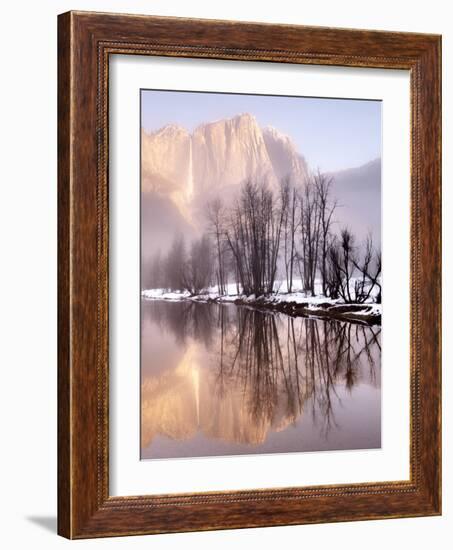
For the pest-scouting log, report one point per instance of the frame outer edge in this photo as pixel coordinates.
(434, 130)
(438, 168)
(82, 512)
(64, 527)
(427, 155)
(439, 161)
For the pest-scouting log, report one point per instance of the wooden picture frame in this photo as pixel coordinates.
(85, 42)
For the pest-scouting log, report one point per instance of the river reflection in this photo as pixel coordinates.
(223, 380)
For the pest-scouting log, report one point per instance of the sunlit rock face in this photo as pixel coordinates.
(215, 159)
(286, 161)
(165, 157)
(191, 399)
(227, 152)
(165, 165)
(170, 402)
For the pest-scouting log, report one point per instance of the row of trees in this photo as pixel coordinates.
(265, 234)
(183, 269)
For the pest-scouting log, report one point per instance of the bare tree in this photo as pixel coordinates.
(274, 223)
(259, 228)
(370, 271)
(326, 209)
(377, 276)
(174, 264)
(253, 235)
(237, 241)
(216, 221)
(344, 262)
(310, 235)
(333, 274)
(289, 206)
(341, 268)
(197, 271)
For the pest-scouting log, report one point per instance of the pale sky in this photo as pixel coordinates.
(332, 134)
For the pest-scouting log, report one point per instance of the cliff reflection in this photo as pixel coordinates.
(242, 374)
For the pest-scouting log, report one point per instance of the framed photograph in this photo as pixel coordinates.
(249, 275)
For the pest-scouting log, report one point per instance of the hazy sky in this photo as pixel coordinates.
(332, 134)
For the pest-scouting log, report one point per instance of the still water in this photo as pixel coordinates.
(229, 380)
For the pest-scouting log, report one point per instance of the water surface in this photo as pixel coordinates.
(221, 379)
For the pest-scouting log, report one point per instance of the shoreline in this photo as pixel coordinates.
(315, 307)
(353, 313)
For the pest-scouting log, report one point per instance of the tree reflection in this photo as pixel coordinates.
(276, 367)
(285, 362)
(184, 320)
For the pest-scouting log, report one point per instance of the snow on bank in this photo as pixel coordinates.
(374, 310)
(281, 300)
(161, 294)
(211, 294)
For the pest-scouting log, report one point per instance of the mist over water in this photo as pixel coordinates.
(219, 379)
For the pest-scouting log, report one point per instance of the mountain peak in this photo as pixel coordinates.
(271, 133)
(271, 130)
(236, 120)
(244, 116)
(245, 120)
(170, 129)
(287, 162)
(216, 158)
